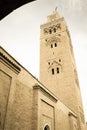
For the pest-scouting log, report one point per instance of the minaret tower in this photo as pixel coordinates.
(57, 65)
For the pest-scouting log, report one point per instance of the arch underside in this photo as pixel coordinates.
(7, 6)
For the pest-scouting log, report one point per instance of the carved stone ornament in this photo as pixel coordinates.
(52, 40)
(54, 63)
(52, 29)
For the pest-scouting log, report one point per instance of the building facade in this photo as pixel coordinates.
(54, 102)
(58, 70)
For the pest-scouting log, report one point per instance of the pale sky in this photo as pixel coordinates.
(20, 34)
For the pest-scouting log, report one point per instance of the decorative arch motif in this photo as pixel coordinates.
(52, 29)
(55, 63)
(53, 41)
(55, 67)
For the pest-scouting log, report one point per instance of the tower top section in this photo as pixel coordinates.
(54, 16)
(52, 19)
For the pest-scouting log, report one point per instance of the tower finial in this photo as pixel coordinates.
(56, 9)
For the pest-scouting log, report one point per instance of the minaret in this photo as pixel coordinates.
(57, 65)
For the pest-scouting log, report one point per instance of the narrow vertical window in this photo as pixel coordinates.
(54, 29)
(53, 71)
(51, 45)
(50, 31)
(55, 45)
(48, 63)
(57, 70)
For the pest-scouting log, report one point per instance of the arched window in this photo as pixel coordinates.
(53, 71)
(48, 63)
(50, 31)
(46, 127)
(54, 29)
(55, 44)
(58, 70)
(51, 45)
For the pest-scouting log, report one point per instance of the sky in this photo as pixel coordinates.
(20, 35)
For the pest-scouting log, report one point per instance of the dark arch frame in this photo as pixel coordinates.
(7, 6)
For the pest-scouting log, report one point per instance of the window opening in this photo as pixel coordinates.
(53, 71)
(57, 70)
(50, 31)
(59, 60)
(55, 45)
(54, 29)
(51, 45)
(46, 127)
(48, 63)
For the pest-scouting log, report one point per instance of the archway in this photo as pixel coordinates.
(7, 6)
(46, 127)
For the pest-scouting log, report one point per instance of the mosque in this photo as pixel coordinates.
(54, 102)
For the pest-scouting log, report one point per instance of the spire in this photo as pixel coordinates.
(56, 9)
